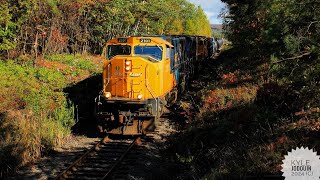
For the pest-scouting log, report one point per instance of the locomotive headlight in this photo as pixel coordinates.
(107, 94)
(140, 96)
(128, 65)
(128, 68)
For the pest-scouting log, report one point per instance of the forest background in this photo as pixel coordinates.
(80, 26)
(47, 46)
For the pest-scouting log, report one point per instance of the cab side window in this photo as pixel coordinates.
(168, 53)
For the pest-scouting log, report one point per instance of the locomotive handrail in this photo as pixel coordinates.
(108, 74)
(146, 84)
(146, 81)
(131, 86)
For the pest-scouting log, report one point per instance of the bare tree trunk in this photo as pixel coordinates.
(35, 46)
(84, 48)
(136, 28)
(24, 41)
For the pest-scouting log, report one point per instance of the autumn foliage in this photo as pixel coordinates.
(67, 26)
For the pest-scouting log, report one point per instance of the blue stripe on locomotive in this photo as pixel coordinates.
(176, 44)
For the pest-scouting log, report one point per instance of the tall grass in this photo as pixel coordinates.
(76, 61)
(28, 135)
(35, 115)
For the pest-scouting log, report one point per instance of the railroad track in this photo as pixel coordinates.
(102, 161)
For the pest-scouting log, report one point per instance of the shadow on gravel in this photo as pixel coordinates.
(50, 166)
(82, 95)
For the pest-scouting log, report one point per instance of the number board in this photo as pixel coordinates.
(122, 40)
(144, 40)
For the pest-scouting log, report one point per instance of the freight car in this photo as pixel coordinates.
(142, 75)
(218, 42)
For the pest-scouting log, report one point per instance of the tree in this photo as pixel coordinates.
(284, 34)
(7, 28)
(80, 26)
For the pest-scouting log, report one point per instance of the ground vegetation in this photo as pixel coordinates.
(260, 98)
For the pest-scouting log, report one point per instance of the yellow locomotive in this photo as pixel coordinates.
(140, 77)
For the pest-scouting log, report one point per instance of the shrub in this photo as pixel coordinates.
(76, 61)
(51, 76)
(34, 113)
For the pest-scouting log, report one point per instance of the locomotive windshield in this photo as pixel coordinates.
(114, 50)
(153, 51)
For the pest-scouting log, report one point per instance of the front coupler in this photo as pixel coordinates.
(124, 116)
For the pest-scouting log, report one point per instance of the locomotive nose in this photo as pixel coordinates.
(126, 77)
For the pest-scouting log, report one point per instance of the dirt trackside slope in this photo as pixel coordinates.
(240, 124)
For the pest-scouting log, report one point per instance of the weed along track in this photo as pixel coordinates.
(108, 159)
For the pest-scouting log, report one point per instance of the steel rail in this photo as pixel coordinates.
(65, 173)
(108, 174)
(68, 171)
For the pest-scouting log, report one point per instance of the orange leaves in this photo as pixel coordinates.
(308, 119)
(90, 2)
(280, 141)
(57, 41)
(228, 78)
(235, 78)
(315, 125)
(221, 99)
(308, 112)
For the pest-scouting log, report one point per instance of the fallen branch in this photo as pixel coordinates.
(286, 59)
(292, 58)
(311, 24)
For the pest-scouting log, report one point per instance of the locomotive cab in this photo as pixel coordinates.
(138, 80)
